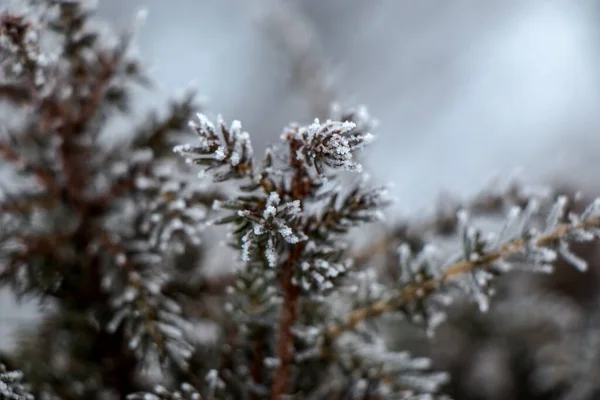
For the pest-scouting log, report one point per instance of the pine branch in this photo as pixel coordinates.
(445, 222)
(457, 270)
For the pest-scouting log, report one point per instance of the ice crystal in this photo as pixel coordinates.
(264, 229)
(229, 154)
(329, 144)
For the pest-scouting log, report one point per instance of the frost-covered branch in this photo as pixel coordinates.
(150, 318)
(516, 243)
(111, 238)
(229, 150)
(490, 202)
(288, 221)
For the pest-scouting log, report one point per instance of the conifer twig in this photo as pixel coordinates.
(445, 222)
(420, 290)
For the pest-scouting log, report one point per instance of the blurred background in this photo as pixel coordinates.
(463, 90)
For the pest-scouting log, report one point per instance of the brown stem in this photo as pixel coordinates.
(289, 314)
(257, 361)
(299, 189)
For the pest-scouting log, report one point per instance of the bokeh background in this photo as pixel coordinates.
(464, 90)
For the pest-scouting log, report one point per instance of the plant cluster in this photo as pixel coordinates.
(110, 238)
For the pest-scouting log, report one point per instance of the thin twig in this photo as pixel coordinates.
(455, 271)
(445, 222)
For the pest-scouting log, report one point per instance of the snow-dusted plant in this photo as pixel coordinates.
(110, 239)
(289, 222)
